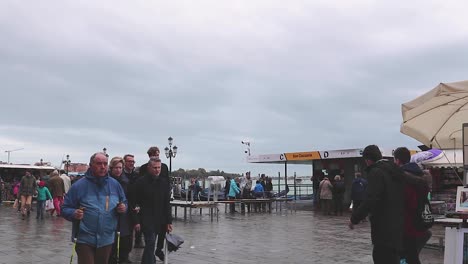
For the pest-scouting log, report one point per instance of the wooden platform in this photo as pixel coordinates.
(212, 207)
(266, 201)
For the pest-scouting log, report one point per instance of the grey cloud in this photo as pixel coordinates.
(302, 76)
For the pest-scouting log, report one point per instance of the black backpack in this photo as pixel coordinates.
(424, 218)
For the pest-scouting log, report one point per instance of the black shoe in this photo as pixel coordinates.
(159, 254)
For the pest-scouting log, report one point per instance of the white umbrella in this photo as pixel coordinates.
(436, 118)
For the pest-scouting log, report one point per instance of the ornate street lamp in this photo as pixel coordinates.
(170, 152)
(104, 150)
(66, 162)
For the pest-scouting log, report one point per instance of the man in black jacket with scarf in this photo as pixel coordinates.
(153, 196)
(384, 205)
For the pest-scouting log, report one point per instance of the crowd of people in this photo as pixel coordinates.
(116, 202)
(113, 208)
(242, 188)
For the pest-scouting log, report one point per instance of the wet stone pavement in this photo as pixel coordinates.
(280, 237)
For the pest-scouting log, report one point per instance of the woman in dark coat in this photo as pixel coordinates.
(124, 227)
(338, 195)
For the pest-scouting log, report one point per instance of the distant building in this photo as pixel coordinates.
(78, 167)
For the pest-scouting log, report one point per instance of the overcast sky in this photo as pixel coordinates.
(77, 76)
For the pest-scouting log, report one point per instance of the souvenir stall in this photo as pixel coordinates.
(446, 168)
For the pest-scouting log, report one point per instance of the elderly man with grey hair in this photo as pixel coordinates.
(93, 204)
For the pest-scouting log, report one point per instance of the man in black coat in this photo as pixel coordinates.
(153, 152)
(384, 205)
(153, 196)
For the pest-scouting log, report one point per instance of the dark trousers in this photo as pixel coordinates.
(243, 207)
(126, 244)
(413, 247)
(245, 195)
(91, 255)
(316, 198)
(161, 237)
(338, 204)
(40, 206)
(150, 241)
(138, 237)
(148, 253)
(385, 255)
(232, 206)
(356, 204)
(326, 205)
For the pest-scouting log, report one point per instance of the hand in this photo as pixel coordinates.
(121, 208)
(169, 228)
(351, 225)
(137, 227)
(136, 209)
(78, 214)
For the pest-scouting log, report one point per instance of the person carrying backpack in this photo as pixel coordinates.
(358, 190)
(418, 217)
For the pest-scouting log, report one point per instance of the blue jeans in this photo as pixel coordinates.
(148, 253)
(40, 209)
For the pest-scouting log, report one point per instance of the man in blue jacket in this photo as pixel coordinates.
(93, 204)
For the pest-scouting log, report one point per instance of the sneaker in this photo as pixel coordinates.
(159, 254)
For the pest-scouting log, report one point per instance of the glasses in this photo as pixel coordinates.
(130, 161)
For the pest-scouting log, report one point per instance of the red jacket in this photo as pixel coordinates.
(411, 194)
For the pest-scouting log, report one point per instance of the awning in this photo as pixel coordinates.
(450, 158)
(27, 167)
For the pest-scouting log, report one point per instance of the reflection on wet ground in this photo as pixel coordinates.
(301, 237)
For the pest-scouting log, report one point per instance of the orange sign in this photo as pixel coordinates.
(313, 155)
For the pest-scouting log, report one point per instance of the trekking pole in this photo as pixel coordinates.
(76, 224)
(118, 238)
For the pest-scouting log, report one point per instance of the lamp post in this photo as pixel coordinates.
(170, 152)
(247, 143)
(67, 163)
(41, 162)
(104, 150)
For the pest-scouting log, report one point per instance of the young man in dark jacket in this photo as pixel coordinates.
(416, 188)
(153, 196)
(384, 205)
